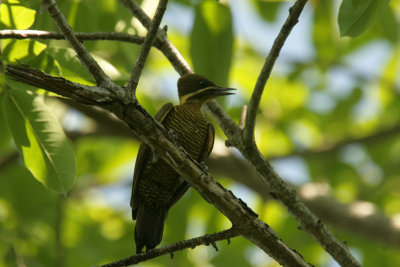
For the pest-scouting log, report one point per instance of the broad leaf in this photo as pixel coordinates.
(212, 41)
(357, 16)
(40, 140)
(268, 10)
(13, 15)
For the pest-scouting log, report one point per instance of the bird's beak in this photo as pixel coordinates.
(207, 94)
(220, 91)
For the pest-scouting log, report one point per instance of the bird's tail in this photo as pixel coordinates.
(149, 227)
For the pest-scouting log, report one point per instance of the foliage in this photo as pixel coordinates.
(327, 93)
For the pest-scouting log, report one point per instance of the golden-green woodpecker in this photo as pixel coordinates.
(156, 186)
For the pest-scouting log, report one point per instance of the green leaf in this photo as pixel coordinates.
(357, 16)
(212, 41)
(388, 26)
(40, 140)
(13, 50)
(268, 10)
(16, 16)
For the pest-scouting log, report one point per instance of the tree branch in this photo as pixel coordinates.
(82, 36)
(144, 52)
(83, 54)
(168, 49)
(78, 92)
(181, 245)
(291, 21)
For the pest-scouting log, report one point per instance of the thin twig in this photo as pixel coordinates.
(190, 243)
(82, 36)
(168, 49)
(83, 54)
(137, 11)
(144, 52)
(262, 79)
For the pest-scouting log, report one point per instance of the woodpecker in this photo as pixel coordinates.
(156, 186)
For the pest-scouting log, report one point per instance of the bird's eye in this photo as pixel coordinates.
(203, 83)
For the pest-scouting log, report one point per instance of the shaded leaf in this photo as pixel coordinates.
(357, 16)
(212, 41)
(268, 10)
(40, 140)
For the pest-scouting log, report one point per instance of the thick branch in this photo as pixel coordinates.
(79, 92)
(181, 245)
(83, 54)
(144, 52)
(254, 104)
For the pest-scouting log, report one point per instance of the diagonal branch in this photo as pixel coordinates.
(83, 54)
(144, 52)
(254, 104)
(169, 249)
(137, 11)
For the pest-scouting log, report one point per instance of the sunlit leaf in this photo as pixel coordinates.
(70, 66)
(16, 16)
(357, 16)
(13, 50)
(40, 140)
(212, 41)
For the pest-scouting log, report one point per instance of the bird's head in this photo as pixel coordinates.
(198, 89)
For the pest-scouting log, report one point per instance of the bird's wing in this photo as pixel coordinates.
(142, 155)
(207, 148)
(208, 144)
